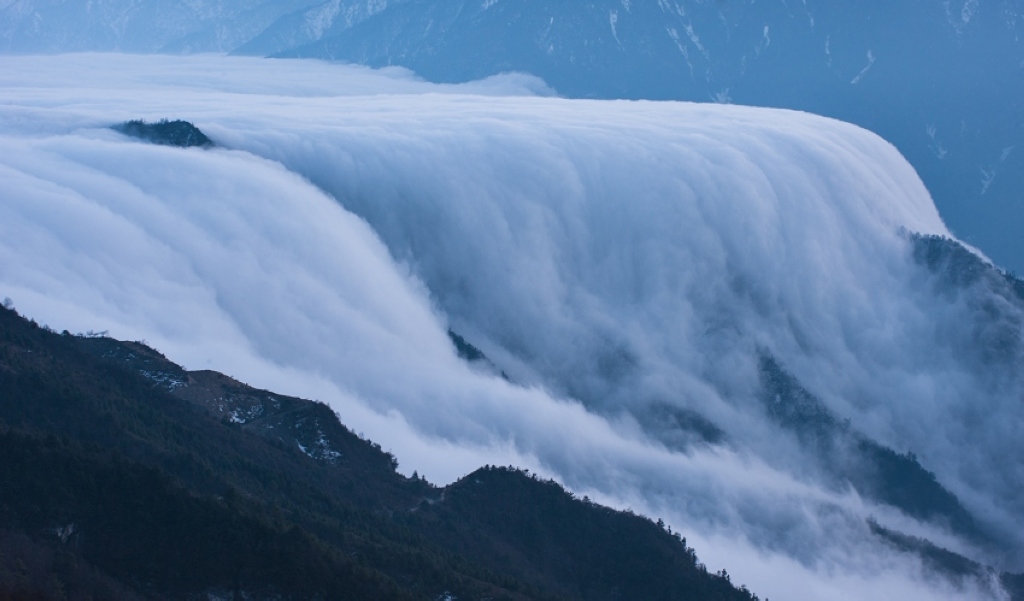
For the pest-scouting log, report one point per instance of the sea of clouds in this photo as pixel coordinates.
(610, 256)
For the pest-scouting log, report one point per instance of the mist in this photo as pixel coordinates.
(613, 258)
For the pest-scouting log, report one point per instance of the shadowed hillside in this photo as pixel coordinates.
(128, 477)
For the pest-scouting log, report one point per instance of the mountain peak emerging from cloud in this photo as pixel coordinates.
(168, 133)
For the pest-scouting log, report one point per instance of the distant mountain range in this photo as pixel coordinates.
(940, 79)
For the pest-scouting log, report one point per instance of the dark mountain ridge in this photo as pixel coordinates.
(127, 477)
(873, 469)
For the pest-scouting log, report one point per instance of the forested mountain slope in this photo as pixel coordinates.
(127, 477)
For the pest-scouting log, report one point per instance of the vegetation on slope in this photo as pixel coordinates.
(127, 477)
(168, 133)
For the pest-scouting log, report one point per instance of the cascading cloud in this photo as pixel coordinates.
(613, 258)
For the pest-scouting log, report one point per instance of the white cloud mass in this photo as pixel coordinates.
(610, 256)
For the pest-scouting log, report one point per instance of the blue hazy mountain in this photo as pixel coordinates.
(34, 26)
